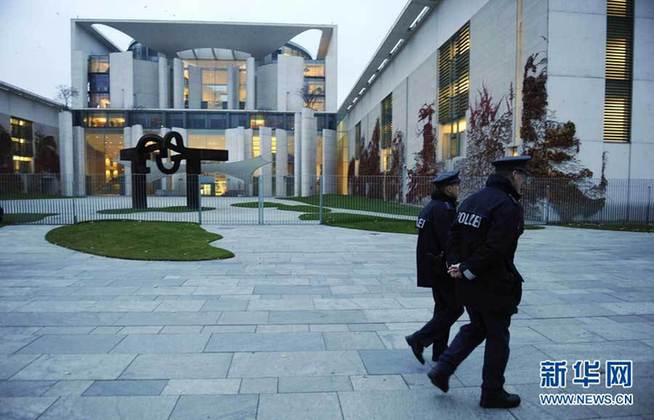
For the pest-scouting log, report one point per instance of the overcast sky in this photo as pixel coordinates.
(35, 34)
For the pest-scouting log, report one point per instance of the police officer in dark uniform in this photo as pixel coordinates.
(482, 245)
(433, 226)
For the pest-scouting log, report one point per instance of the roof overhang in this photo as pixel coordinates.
(403, 29)
(170, 37)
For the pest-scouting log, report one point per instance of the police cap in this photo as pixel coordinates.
(446, 178)
(512, 163)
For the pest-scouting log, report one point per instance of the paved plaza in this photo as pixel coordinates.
(307, 322)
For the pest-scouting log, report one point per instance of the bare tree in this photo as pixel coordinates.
(65, 94)
(310, 97)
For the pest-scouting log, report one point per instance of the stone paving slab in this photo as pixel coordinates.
(312, 327)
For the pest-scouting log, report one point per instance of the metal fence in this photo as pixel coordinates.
(43, 199)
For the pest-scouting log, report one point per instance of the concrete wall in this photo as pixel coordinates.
(266, 87)
(331, 70)
(146, 84)
(194, 87)
(164, 83)
(290, 81)
(21, 107)
(121, 80)
(178, 84)
(250, 99)
(66, 163)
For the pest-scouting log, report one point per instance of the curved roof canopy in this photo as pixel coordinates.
(170, 37)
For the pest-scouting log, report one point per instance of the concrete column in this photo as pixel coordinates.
(164, 94)
(178, 84)
(165, 181)
(178, 180)
(251, 69)
(79, 74)
(331, 64)
(235, 140)
(66, 156)
(121, 80)
(281, 162)
(247, 154)
(232, 87)
(308, 171)
(265, 136)
(329, 160)
(194, 87)
(127, 166)
(297, 154)
(79, 161)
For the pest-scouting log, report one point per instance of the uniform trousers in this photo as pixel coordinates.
(437, 330)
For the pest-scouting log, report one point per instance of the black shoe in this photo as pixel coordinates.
(439, 379)
(501, 399)
(416, 347)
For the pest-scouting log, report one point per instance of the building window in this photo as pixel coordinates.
(314, 84)
(454, 76)
(618, 70)
(98, 81)
(452, 137)
(103, 167)
(22, 145)
(387, 121)
(358, 141)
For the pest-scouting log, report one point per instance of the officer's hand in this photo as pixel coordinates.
(454, 271)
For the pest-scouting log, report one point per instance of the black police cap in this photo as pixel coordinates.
(446, 178)
(512, 163)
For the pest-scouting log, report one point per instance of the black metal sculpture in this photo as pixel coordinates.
(150, 144)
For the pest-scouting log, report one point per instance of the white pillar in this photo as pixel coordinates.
(194, 87)
(79, 161)
(297, 154)
(265, 136)
(66, 156)
(165, 181)
(247, 154)
(251, 69)
(232, 87)
(178, 180)
(127, 165)
(235, 140)
(178, 84)
(308, 176)
(164, 94)
(329, 160)
(281, 162)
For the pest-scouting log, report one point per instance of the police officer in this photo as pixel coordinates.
(483, 241)
(433, 226)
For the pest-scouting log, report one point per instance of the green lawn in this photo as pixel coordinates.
(352, 202)
(280, 206)
(612, 226)
(364, 222)
(20, 218)
(170, 209)
(136, 240)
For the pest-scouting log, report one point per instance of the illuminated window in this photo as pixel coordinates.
(314, 70)
(618, 70)
(452, 137)
(454, 76)
(104, 170)
(387, 121)
(22, 147)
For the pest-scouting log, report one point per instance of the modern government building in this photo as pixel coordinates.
(249, 89)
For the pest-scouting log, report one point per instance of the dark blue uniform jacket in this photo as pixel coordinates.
(433, 225)
(484, 238)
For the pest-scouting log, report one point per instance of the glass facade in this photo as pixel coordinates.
(454, 76)
(452, 137)
(195, 119)
(215, 80)
(103, 167)
(22, 145)
(98, 81)
(314, 83)
(387, 121)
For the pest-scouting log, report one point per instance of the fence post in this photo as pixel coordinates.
(649, 200)
(322, 192)
(74, 210)
(260, 199)
(546, 213)
(199, 202)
